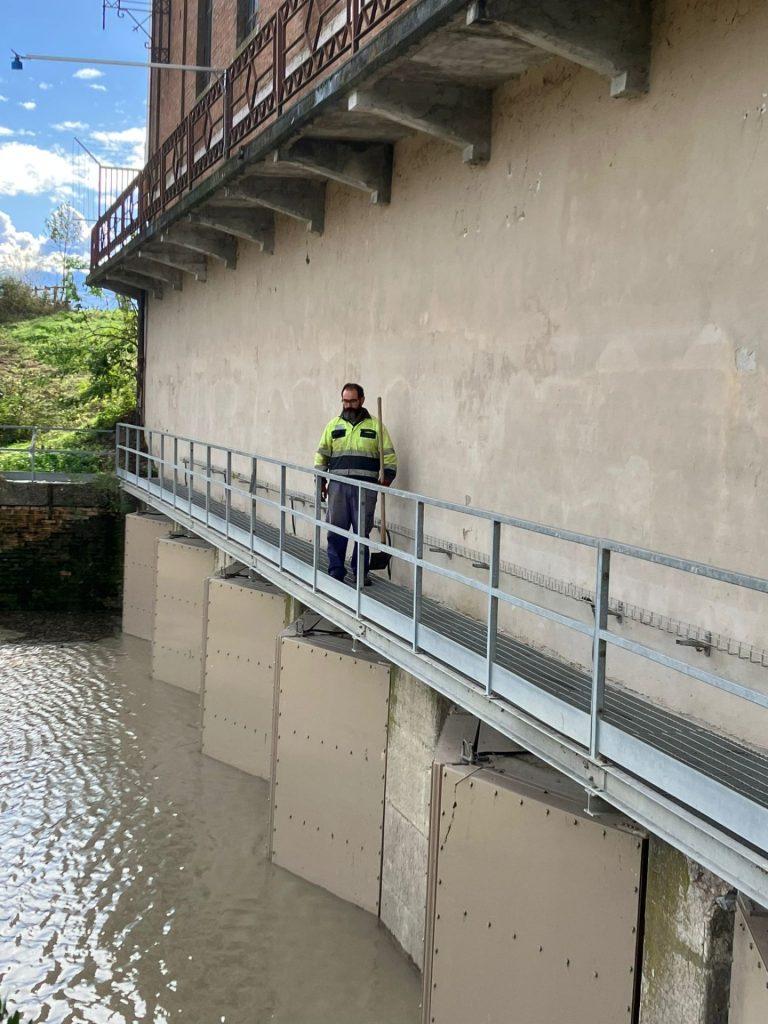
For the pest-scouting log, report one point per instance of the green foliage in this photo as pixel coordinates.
(18, 301)
(73, 368)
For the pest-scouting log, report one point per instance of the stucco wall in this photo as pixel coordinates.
(573, 333)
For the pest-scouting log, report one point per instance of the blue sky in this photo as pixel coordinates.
(45, 106)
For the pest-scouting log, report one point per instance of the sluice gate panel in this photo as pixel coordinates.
(749, 977)
(329, 772)
(242, 620)
(534, 906)
(183, 564)
(142, 531)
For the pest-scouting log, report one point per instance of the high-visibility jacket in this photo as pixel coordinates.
(352, 449)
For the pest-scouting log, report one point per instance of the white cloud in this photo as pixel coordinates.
(26, 169)
(3, 99)
(69, 126)
(21, 251)
(6, 132)
(125, 147)
(98, 88)
(44, 86)
(88, 73)
(28, 104)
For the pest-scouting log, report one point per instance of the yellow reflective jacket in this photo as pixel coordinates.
(352, 449)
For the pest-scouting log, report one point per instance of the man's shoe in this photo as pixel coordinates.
(368, 581)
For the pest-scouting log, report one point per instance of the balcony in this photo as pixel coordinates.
(322, 94)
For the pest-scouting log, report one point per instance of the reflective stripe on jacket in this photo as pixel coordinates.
(352, 449)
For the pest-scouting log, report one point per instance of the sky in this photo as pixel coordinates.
(44, 107)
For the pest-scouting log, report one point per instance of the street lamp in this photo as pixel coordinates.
(18, 58)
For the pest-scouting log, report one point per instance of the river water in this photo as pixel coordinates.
(133, 878)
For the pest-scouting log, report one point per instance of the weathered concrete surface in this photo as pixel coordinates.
(689, 920)
(416, 716)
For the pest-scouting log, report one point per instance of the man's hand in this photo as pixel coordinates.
(323, 489)
(385, 483)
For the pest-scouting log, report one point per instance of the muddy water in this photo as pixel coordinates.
(133, 882)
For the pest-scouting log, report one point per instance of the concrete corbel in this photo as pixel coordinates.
(458, 115)
(301, 199)
(174, 256)
(611, 37)
(364, 166)
(203, 240)
(157, 271)
(252, 225)
(138, 281)
(121, 288)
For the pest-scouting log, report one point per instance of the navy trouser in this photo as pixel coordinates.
(342, 512)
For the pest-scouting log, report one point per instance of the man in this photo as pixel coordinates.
(349, 447)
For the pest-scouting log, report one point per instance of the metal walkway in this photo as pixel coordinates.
(702, 791)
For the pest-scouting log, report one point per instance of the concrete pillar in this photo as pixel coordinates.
(689, 919)
(183, 565)
(329, 767)
(416, 716)
(243, 618)
(142, 530)
(749, 977)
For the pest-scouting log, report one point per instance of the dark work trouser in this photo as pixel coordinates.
(343, 512)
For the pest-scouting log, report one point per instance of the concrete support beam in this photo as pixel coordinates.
(203, 240)
(174, 256)
(367, 167)
(142, 282)
(687, 952)
(112, 284)
(300, 199)
(612, 37)
(454, 114)
(256, 226)
(157, 272)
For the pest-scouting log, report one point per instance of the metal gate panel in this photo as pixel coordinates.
(749, 975)
(183, 564)
(139, 569)
(533, 908)
(243, 620)
(330, 766)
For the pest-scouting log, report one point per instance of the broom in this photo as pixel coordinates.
(380, 559)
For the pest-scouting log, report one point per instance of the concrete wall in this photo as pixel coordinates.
(749, 978)
(416, 715)
(689, 920)
(573, 333)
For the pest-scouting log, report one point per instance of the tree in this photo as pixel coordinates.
(65, 230)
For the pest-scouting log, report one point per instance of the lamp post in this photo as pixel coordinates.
(18, 65)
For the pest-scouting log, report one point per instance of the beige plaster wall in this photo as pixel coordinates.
(574, 333)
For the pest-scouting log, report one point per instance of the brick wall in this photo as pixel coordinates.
(60, 546)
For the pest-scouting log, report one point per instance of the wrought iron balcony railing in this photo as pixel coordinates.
(296, 46)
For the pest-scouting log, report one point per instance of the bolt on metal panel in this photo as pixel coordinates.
(139, 569)
(329, 771)
(177, 638)
(749, 974)
(243, 620)
(534, 908)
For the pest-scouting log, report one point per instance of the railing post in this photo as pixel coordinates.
(602, 585)
(207, 484)
(117, 448)
(136, 455)
(190, 476)
(492, 621)
(278, 60)
(316, 532)
(190, 150)
(32, 448)
(175, 468)
(162, 461)
(252, 493)
(355, 26)
(282, 515)
(418, 572)
(227, 118)
(228, 495)
(149, 457)
(360, 565)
